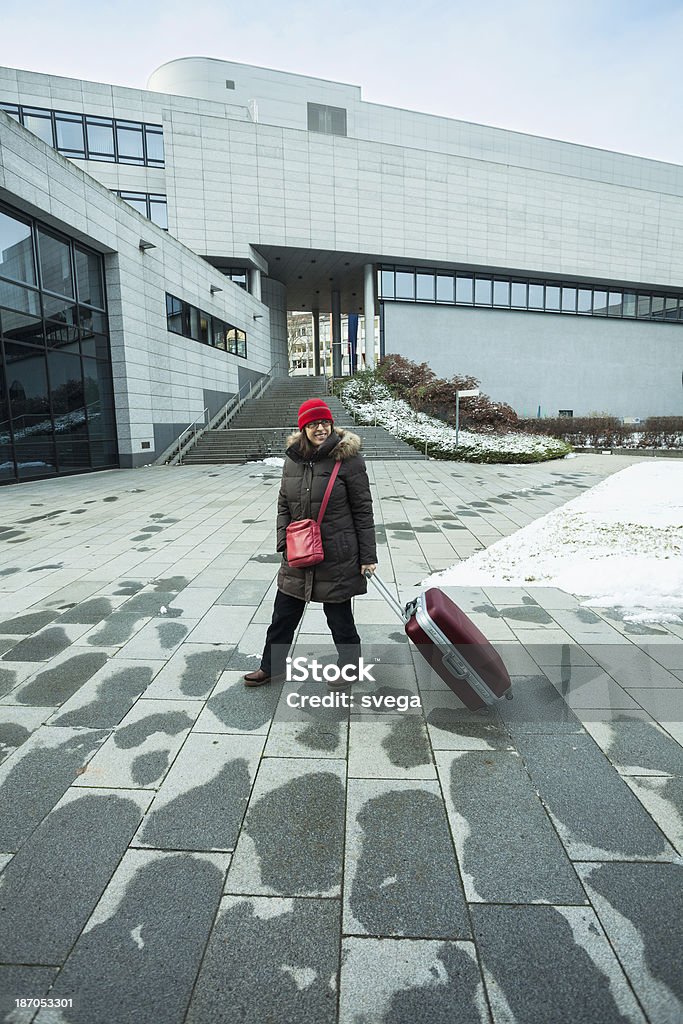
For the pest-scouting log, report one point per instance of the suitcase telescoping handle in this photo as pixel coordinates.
(401, 610)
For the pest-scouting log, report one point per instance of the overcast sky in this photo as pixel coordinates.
(605, 73)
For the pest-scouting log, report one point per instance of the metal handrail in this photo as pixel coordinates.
(176, 452)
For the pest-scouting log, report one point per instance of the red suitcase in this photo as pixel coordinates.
(452, 645)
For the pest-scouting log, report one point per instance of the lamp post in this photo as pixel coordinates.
(470, 393)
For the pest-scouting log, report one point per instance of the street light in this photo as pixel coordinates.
(470, 393)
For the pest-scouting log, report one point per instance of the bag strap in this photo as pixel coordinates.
(328, 491)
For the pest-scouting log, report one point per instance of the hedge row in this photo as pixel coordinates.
(610, 432)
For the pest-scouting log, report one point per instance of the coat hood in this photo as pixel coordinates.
(349, 444)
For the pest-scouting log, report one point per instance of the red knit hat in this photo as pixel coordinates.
(314, 409)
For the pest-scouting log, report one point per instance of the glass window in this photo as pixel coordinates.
(129, 141)
(158, 212)
(204, 322)
(59, 308)
(55, 264)
(658, 307)
(69, 129)
(138, 200)
(241, 344)
(629, 304)
(154, 139)
(100, 133)
(501, 293)
(174, 317)
(615, 304)
(569, 300)
(482, 291)
(20, 327)
(16, 249)
(89, 277)
(445, 288)
(671, 308)
(219, 338)
(40, 124)
(386, 284)
(424, 287)
(18, 297)
(519, 296)
(95, 345)
(536, 297)
(552, 297)
(405, 284)
(600, 303)
(326, 119)
(12, 109)
(464, 289)
(194, 329)
(66, 387)
(238, 277)
(643, 306)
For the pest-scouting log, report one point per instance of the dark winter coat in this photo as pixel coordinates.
(348, 528)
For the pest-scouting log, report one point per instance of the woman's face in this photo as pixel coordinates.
(319, 431)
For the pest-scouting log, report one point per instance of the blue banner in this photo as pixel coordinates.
(353, 341)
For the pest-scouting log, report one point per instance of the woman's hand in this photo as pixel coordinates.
(367, 569)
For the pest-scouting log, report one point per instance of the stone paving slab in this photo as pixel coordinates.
(153, 923)
(488, 796)
(270, 959)
(400, 875)
(202, 800)
(17, 724)
(563, 970)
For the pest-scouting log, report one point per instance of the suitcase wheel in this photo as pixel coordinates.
(509, 695)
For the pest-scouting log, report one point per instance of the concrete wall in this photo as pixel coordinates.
(626, 368)
(160, 379)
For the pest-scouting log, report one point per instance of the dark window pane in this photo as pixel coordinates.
(482, 291)
(464, 289)
(405, 284)
(629, 304)
(424, 287)
(671, 308)
(96, 346)
(552, 297)
(204, 322)
(174, 314)
(323, 118)
(40, 126)
(159, 215)
(28, 391)
(89, 277)
(536, 298)
(91, 321)
(194, 328)
(387, 284)
(100, 137)
(15, 296)
(16, 250)
(501, 293)
(66, 389)
(519, 297)
(220, 339)
(19, 327)
(569, 300)
(35, 456)
(55, 264)
(643, 306)
(658, 307)
(129, 143)
(59, 309)
(241, 344)
(155, 145)
(70, 133)
(445, 288)
(600, 303)
(615, 304)
(61, 336)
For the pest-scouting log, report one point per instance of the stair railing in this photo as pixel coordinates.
(185, 442)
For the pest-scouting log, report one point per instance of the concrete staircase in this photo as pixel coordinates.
(262, 426)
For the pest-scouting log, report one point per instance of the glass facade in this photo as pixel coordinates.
(56, 394)
(494, 291)
(190, 322)
(83, 137)
(149, 205)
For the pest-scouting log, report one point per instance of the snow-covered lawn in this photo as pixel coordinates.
(618, 545)
(419, 429)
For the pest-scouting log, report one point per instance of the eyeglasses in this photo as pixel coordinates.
(319, 423)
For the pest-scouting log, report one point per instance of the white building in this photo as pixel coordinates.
(548, 270)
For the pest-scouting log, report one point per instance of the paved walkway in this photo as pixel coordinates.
(175, 850)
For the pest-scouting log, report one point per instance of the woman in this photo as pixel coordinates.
(348, 536)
